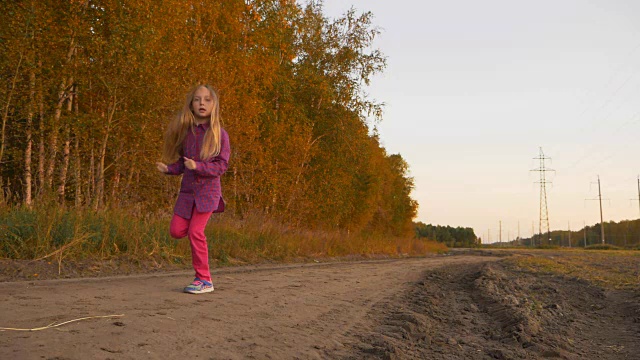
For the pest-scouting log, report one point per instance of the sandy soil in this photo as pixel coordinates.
(452, 307)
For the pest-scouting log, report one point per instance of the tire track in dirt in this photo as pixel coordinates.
(310, 311)
(492, 311)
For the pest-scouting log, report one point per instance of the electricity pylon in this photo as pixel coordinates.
(544, 210)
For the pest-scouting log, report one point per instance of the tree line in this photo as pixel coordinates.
(450, 236)
(625, 233)
(88, 86)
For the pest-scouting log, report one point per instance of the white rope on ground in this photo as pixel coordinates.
(60, 324)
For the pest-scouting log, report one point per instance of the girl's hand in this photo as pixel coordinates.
(190, 164)
(162, 167)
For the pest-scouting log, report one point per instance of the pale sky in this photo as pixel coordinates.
(474, 88)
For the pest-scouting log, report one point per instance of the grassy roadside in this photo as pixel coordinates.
(59, 236)
(616, 269)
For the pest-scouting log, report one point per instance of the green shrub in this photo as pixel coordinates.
(603, 247)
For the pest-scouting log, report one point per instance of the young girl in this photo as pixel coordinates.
(201, 147)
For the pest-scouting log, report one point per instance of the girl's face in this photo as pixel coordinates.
(202, 103)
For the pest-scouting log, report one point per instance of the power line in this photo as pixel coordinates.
(628, 59)
(614, 74)
(589, 152)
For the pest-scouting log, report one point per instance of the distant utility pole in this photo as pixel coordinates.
(585, 233)
(533, 233)
(569, 233)
(638, 193)
(500, 232)
(601, 217)
(544, 211)
(626, 233)
(519, 239)
(638, 196)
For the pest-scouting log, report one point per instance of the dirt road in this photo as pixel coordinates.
(443, 307)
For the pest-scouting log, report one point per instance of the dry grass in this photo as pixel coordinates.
(256, 239)
(617, 269)
(57, 234)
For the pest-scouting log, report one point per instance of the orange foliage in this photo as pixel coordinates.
(110, 74)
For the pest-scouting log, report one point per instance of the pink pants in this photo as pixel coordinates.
(194, 228)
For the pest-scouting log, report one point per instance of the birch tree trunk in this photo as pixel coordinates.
(29, 132)
(66, 149)
(305, 160)
(77, 178)
(115, 185)
(5, 115)
(99, 199)
(53, 139)
(63, 94)
(91, 181)
(129, 178)
(41, 148)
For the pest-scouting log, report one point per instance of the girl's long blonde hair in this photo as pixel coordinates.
(185, 121)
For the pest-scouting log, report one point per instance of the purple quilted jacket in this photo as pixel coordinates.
(201, 185)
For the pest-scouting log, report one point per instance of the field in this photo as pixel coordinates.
(470, 304)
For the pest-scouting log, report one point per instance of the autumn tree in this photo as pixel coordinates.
(88, 86)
